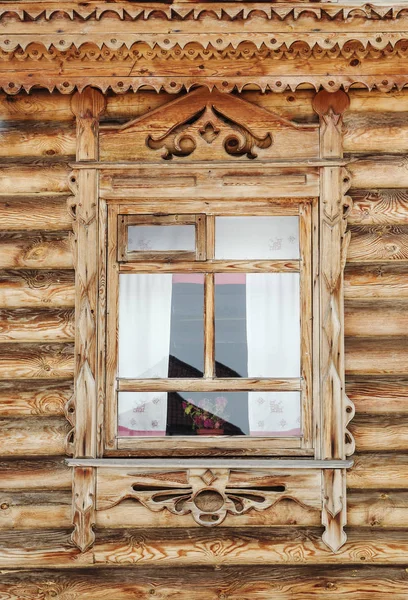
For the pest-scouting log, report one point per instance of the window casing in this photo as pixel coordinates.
(129, 254)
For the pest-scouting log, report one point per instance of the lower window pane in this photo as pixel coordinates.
(267, 414)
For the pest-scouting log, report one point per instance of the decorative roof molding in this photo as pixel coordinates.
(186, 10)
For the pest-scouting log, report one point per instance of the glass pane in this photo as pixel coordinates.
(161, 325)
(250, 238)
(150, 238)
(268, 414)
(257, 325)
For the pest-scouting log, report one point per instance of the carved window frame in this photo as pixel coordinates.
(318, 482)
(121, 215)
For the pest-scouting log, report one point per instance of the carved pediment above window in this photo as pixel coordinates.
(207, 126)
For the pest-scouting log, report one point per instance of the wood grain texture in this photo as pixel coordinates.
(34, 436)
(33, 177)
(378, 243)
(33, 325)
(36, 289)
(380, 470)
(36, 139)
(207, 583)
(378, 395)
(36, 361)
(44, 473)
(393, 438)
(37, 398)
(190, 547)
(28, 510)
(28, 213)
(379, 207)
(366, 318)
(376, 281)
(376, 132)
(376, 356)
(379, 171)
(35, 251)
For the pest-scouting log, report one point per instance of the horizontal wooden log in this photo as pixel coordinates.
(37, 325)
(379, 207)
(36, 289)
(378, 243)
(35, 510)
(385, 470)
(37, 139)
(380, 509)
(49, 213)
(381, 281)
(35, 251)
(376, 356)
(45, 473)
(34, 177)
(39, 105)
(36, 361)
(374, 319)
(206, 583)
(40, 398)
(378, 395)
(390, 433)
(201, 546)
(33, 436)
(382, 132)
(378, 171)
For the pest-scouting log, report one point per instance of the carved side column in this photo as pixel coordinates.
(335, 408)
(87, 107)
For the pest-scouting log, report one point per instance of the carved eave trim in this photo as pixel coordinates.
(174, 85)
(183, 10)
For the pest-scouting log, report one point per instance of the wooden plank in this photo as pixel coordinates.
(36, 325)
(208, 385)
(45, 473)
(376, 132)
(39, 510)
(374, 319)
(219, 266)
(378, 395)
(48, 213)
(34, 436)
(378, 171)
(41, 398)
(201, 546)
(377, 508)
(379, 207)
(34, 177)
(376, 281)
(36, 289)
(386, 470)
(374, 435)
(206, 583)
(39, 105)
(376, 356)
(36, 361)
(35, 251)
(36, 139)
(378, 243)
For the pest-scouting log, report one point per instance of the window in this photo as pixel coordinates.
(213, 314)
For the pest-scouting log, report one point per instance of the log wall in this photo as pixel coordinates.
(36, 380)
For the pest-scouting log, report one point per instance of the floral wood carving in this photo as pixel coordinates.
(209, 495)
(209, 126)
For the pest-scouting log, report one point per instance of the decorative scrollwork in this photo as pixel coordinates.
(208, 126)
